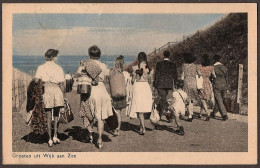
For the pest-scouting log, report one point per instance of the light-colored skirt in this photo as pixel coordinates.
(53, 96)
(142, 99)
(100, 102)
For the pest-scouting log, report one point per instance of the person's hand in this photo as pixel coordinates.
(228, 92)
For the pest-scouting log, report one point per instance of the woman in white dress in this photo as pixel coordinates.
(99, 99)
(54, 91)
(142, 94)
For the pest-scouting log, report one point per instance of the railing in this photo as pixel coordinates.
(162, 47)
(20, 83)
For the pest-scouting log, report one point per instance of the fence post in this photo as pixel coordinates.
(239, 87)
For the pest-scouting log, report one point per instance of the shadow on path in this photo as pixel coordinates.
(81, 135)
(40, 139)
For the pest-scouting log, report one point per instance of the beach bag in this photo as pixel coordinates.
(112, 121)
(117, 84)
(154, 117)
(66, 116)
(84, 88)
(92, 69)
(199, 81)
(229, 104)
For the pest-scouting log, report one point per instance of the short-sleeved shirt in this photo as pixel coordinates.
(50, 72)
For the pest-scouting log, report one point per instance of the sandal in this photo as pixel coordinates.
(50, 143)
(90, 135)
(100, 144)
(142, 131)
(56, 140)
(116, 132)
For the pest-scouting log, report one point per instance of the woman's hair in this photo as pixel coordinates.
(205, 60)
(119, 63)
(166, 54)
(189, 58)
(94, 52)
(142, 57)
(216, 58)
(50, 54)
(180, 84)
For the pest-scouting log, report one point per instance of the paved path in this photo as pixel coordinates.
(200, 136)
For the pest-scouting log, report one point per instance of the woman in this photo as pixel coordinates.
(85, 78)
(142, 94)
(189, 72)
(54, 91)
(117, 78)
(206, 92)
(99, 100)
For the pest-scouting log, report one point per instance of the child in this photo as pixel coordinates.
(177, 104)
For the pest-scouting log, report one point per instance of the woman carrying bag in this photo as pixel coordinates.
(142, 95)
(54, 91)
(99, 101)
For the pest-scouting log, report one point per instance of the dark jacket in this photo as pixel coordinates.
(221, 72)
(165, 75)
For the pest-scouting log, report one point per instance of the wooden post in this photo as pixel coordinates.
(239, 87)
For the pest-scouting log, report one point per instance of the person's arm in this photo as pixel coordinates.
(156, 73)
(78, 72)
(63, 88)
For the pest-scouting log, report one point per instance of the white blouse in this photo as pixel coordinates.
(50, 72)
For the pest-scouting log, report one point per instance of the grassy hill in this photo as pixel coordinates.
(227, 37)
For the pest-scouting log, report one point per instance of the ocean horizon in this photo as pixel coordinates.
(69, 63)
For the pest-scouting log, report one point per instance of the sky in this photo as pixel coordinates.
(114, 34)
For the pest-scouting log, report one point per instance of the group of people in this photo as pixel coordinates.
(104, 91)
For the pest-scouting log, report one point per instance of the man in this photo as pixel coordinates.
(164, 79)
(220, 87)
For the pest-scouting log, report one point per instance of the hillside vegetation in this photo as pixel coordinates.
(227, 37)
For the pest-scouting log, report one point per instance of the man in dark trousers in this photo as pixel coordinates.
(220, 81)
(164, 78)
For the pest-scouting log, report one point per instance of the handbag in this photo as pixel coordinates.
(154, 117)
(28, 117)
(84, 88)
(112, 121)
(66, 116)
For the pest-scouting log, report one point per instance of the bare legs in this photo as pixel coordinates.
(100, 132)
(190, 109)
(49, 119)
(142, 126)
(49, 116)
(119, 119)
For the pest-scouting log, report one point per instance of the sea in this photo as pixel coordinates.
(29, 64)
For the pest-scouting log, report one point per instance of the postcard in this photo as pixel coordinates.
(129, 83)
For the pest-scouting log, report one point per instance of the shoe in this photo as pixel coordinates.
(207, 118)
(90, 135)
(100, 144)
(116, 132)
(142, 132)
(212, 115)
(190, 119)
(199, 116)
(225, 117)
(181, 130)
(56, 140)
(50, 143)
